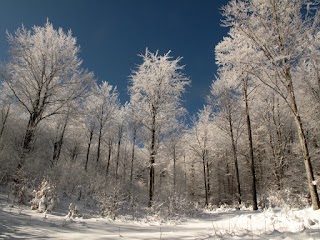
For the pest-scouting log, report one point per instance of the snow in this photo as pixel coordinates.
(18, 222)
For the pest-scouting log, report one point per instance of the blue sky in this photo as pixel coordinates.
(112, 33)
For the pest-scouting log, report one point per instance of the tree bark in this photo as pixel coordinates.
(303, 143)
(4, 118)
(118, 150)
(28, 139)
(228, 188)
(132, 157)
(205, 179)
(152, 160)
(252, 167)
(174, 169)
(124, 163)
(185, 173)
(58, 144)
(99, 142)
(208, 178)
(192, 181)
(109, 156)
(235, 159)
(88, 150)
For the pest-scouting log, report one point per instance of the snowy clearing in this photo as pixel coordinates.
(21, 223)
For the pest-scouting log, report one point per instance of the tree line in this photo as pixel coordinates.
(256, 136)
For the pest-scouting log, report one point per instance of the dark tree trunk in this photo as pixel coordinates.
(303, 144)
(174, 169)
(252, 167)
(228, 188)
(74, 152)
(28, 139)
(125, 159)
(132, 158)
(152, 160)
(99, 142)
(58, 144)
(208, 177)
(133, 153)
(118, 150)
(88, 150)
(235, 159)
(192, 181)
(185, 173)
(109, 156)
(4, 118)
(205, 179)
(220, 182)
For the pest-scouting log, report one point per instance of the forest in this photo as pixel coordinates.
(254, 144)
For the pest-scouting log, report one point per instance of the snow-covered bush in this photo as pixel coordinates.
(45, 198)
(283, 199)
(20, 191)
(179, 205)
(73, 211)
(72, 179)
(111, 204)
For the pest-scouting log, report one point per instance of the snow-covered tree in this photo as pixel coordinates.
(273, 34)
(231, 55)
(200, 144)
(155, 90)
(225, 102)
(107, 103)
(44, 74)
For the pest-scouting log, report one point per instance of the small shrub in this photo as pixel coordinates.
(283, 199)
(45, 198)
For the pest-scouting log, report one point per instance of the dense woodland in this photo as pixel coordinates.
(256, 139)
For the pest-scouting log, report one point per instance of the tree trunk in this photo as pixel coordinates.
(4, 118)
(220, 182)
(192, 181)
(152, 161)
(235, 159)
(109, 156)
(252, 168)
(88, 150)
(118, 151)
(185, 173)
(124, 162)
(205, 180)
(279, 149)
(208, 178)
(303, 144)
(151, 181)
(133, 153)
(228, 188)
(132, 157)
(99, 143)
(174, 169)
(58, 144)
(28, 139)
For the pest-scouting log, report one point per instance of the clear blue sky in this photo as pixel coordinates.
(112, 33)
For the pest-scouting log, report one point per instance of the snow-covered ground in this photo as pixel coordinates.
(21, 223)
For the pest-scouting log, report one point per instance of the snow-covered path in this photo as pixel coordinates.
(27, 224)
(32, 225)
